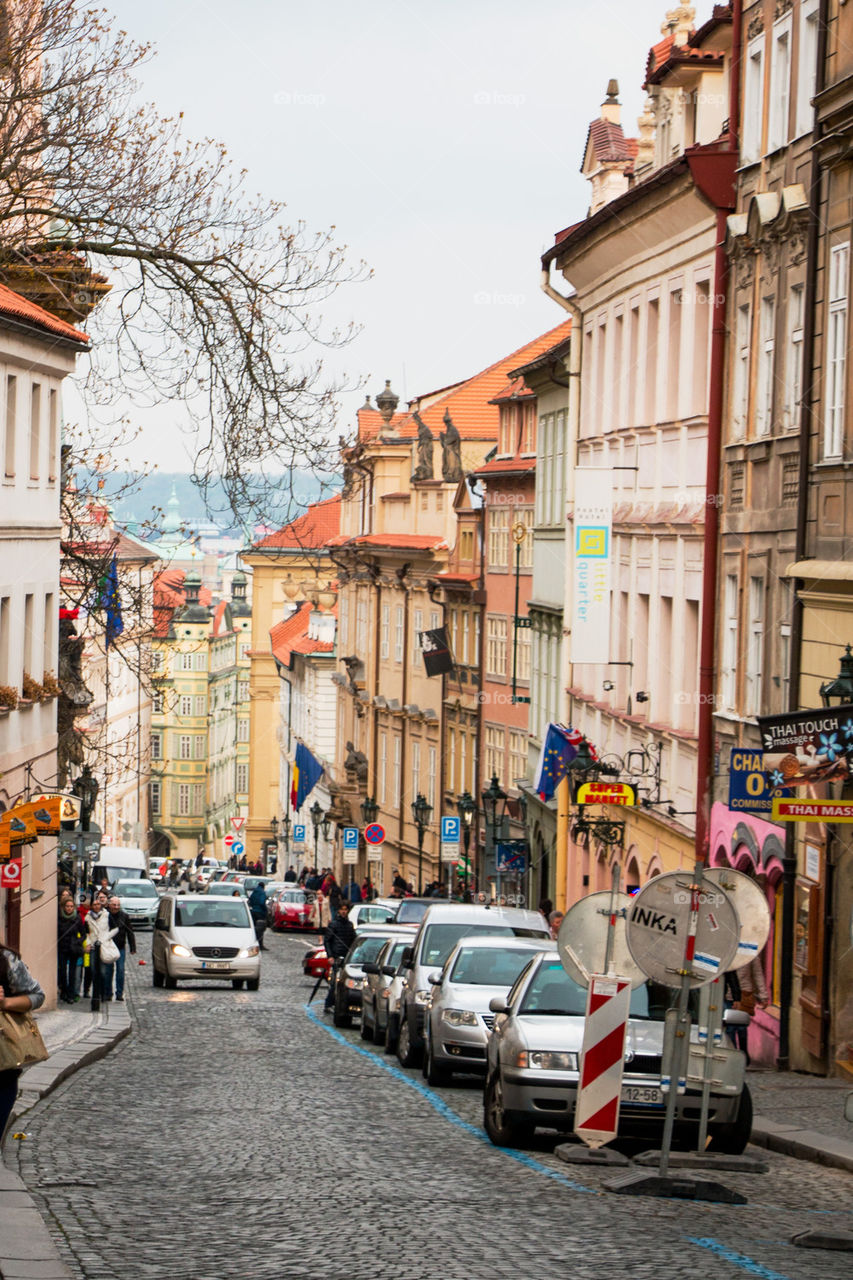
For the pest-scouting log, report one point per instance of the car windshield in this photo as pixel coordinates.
(211, 914)
(115, 873)
(375, 915)
(552, 991)
(488, 966)
(136, 889)
(395, 954)
(411, 911)
(364, 950)
(440, 939)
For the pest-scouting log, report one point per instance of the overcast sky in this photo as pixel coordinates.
(442, 138)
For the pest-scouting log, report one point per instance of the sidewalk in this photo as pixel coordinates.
(74, 1037)
(802, 1116)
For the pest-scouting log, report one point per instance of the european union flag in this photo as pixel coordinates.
(309, 772)
(111, 602)
(558, 750)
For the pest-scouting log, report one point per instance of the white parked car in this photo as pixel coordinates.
(139, 900)
(205, 937)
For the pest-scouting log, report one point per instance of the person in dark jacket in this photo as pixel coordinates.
(258, 908)
(123, 938)
(69, 947)
(19, 992)
(290, 875)
(337, 940)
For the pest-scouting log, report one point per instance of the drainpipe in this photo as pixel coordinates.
(561, 872)
(807, 424)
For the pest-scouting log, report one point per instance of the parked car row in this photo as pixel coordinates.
(479, 989)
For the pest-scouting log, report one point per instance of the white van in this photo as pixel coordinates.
(209, 937)
(120, 862)
(441, 928)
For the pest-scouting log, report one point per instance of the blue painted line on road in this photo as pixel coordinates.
(738, 1259)
(447, 1113)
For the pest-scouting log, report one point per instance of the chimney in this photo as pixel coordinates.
(611, 109)
(679, 23)
(386, 403)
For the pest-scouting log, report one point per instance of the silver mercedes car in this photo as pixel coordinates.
(533, 1059)
(458, 1019)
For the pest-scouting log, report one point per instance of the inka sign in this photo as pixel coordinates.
(592, 521)
(606, 793)
(812, 810)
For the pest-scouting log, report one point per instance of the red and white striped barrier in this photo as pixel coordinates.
(602, 1061)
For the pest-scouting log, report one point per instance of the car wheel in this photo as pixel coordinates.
(237, 983)
(169, 982)
(156, 977)
(503, 1128)
(391, 1034)
(433, 1073)
(731, 1139)
(408, 1055)
(378, 1033)
(365, 1030)
(253, 984)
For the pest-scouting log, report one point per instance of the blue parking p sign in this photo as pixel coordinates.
(299, 833)
(350, 837)
(450, 830)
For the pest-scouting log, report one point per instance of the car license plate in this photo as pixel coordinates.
(215, 964)
(642, 1095)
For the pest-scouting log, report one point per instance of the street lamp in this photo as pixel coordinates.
(285, 832)
(369, 810)
(86, 787)
(467, 810)
(274, 829)
(317, 816)
(494, 810)
(838, 692)
(421, 814)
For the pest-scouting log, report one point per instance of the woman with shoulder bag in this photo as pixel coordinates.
(19, 994)
(69, 946)
(103, 952)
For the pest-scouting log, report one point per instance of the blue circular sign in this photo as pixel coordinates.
(374, 834)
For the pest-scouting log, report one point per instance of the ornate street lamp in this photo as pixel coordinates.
(317, 816)
(369, 810)
(467, 810)
(285, 832)
(421, 814)
(86, 787)
(494, 799)
(838, 692)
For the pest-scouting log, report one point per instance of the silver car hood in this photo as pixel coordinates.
(553, 1031)
(468, 996)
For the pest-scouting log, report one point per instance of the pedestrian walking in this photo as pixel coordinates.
(101, 956)
(70, 934)
(337, 939)
(19, 993)
(555, 919)
(333, 892)
(290, 875)
(258, 908)
(124, 937)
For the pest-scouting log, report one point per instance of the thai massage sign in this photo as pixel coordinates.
(593, 518)
(806, 747)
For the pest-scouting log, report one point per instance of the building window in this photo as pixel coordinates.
(156, 746)
(416, 768)
(157, 703)
(396, 771)
(398, 634)
(186, 705)
(35, 430)
(524, 517)
(466, 545)
(495, 749)
(794, 356)
(11, 442)
(361, 625)
(463, 758)
(185, 662)
(383, 767)
(740, 394)
(523, 654)
(156, 796)
(200, 661)
(517, 756)
(185, 746)
(183, 799)
(787, 607)
(730, 644)
(464, 656)
(242, 729)
(652, 339)
(528, 432)
(200, 703)
(496, 646)
(755, 647)
(416, 638)
(434, 620)
(508, 428)
(242, 691)
(498, 538)
(197, 798)
(780, 84)
(385, 636)
(764, 400)
(431, 784)
(833, 436)
(450, 781)
(807, 65)
(753, 100)
(242, 778)
(344, 618)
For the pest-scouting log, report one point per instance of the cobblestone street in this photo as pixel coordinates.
(236, 1134)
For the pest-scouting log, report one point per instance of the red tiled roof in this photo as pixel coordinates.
(465, 578)
(515, 389)
(291, 636)
(680, 55)
(503, 465)
(13, 304)
(658, 54)
(403, 541)
(609, 142)
(169, 597)
(468, 403)
(311, 530)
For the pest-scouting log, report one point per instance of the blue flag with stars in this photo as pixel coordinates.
(111, 602)
(558, 750)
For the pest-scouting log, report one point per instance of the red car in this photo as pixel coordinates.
(317, 963)
(293, 910)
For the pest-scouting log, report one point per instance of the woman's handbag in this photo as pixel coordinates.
(20, 1041)
(746, 1002)
(109, 951)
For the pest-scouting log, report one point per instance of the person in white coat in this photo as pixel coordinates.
(99, 931)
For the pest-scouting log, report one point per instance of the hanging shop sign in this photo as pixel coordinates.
(812, 810)
(807, 746)
(606, 793)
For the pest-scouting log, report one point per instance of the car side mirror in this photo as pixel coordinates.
(370, 967)
(406, 958)
(434, 979)
(736, 1018)
(498, 1004)
(389, 970)
(160, 924)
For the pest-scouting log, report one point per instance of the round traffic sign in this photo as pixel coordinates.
(237, 848)
(229, 839)
(374, 834)
(752, 910)
(658, 925)
(582, 940)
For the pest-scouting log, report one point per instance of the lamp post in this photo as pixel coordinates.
(421, 814)
(838, 692)
(285, 834)
(494, 810)
(467, 810)
(86, 787)
(317, 816)
(369, 813)
(274, 829)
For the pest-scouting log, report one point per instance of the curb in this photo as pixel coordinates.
(802, 1144)
(27, 1250)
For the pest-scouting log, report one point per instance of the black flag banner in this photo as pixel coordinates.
(436, 650)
